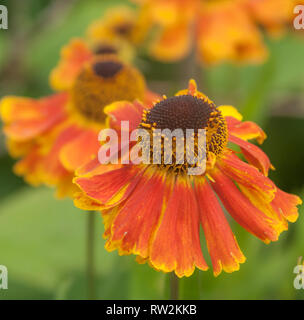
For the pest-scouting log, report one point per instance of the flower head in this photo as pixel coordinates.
(55, 135)
(120, 24)
(273, 15)
(155, 210)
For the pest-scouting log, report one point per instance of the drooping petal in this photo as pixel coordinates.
(176, 243)
(112, 187)
(243, 211)
(222, 246)
(286, 204)
(83, 202)
(73, 57)
(247, 130)
(26, 118)
(247, 175)
(136, 220)
(253, 154)
(264, 206)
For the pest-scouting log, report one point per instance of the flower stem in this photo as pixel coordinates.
(174, 286)
(90, 255)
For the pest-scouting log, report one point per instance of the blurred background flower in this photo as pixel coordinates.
(217, 31)
(42, 240)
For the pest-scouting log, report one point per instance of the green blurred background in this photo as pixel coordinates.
(42, 240)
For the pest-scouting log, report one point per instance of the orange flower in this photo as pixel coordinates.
(121, 24)
(56, 134)
(220, 30)
(155, 211)
(274, 15)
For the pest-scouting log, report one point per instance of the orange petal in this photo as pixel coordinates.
(176, 244)
(222, 246)
(274, 15)
(264, 206)
(136, 220)
(27, 118)
(172, 43)
(247, 130)
(247, 175)
(286, 204)
(111, 187)
(94, 168)
(83, 202)
(30, 167)
(124, 111)
(73, 57)
(242, 210)
(53, 168)
(80, 150)
(18, 148)
(65, 187)
(226, 32)
(253, 154)
(150, 98)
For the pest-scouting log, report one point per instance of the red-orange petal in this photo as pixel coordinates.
(176, 244)
(243, 211)
(247, 175)
(124, 111)
(136, 220)
(73, 57)
(112, 187)
(286, 204)
(26, 118)
(53, 168)
(264, 206)
(222, 246)
(94, 167)
(253, 154)
(246, 130)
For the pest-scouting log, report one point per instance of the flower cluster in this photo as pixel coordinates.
(156, 211)
(216, 30)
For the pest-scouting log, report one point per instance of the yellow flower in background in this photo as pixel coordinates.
(55, 135)
(121, 24)
(218, 31)
(225, 32)
(155, 211)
